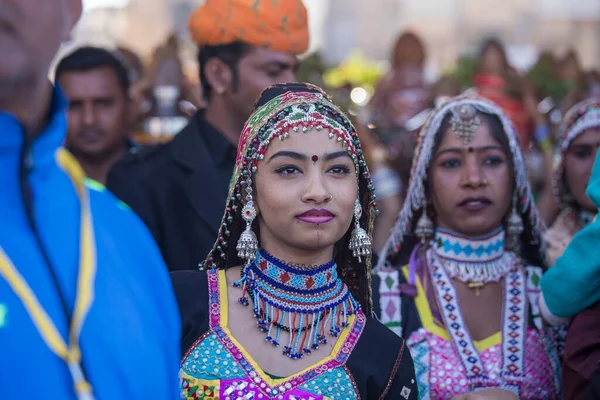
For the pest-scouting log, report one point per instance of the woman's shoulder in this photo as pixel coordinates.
(192, 294)
(190, 286)
(377, 346)
(385, 337)
(382, 362)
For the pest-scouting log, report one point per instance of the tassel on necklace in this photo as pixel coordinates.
(306, 303)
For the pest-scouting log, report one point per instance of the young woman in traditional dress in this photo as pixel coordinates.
(578, 141)
(467, 300)
(282, 309)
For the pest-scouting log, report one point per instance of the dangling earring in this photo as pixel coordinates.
(360, 244)
(247, 244)
(424, 229)
(514, 227)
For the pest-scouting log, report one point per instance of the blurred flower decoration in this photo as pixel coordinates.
(355, 78)
(545, 81)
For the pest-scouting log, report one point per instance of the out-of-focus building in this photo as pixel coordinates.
(448, 27)
(452, 27)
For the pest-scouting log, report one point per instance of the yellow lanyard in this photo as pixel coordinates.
(70, 353)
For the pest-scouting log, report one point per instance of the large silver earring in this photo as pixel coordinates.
(425, 229)
(247, 244)
(514, 228)
(360, 244)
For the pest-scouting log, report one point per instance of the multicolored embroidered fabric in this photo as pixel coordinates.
(210, 372)
(441, 375)
(522, 360)
(216, 366)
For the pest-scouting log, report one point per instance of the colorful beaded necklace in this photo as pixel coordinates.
(302, 300)
(475, 261)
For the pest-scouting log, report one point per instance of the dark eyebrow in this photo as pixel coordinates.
(590, 143)
(477, 149)
(280, 65)
(337, 154)
(303, 157)
(290, 154)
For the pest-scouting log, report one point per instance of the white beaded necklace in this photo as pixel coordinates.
(475, 261)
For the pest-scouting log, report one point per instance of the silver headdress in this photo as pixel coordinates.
(464, 122)
(415, 197)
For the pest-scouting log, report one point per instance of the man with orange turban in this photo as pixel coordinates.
(179, 188)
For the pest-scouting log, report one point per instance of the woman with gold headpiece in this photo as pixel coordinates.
(578, 141)
(467, 300)
(282, 309)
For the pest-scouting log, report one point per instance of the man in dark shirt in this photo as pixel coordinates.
(179, 189)
(97, 86)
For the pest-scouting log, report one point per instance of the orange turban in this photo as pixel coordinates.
(279, 25)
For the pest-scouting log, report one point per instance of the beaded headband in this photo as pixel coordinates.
(422, 159)
(300, 110)
(581, 117)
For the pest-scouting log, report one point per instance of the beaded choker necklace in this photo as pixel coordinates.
(300, 300)
(475, 261)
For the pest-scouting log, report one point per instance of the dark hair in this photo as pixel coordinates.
(408, 49)
(88, 58)
(229, 54)
(493, 43)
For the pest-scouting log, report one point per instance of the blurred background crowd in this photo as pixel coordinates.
(386, 62)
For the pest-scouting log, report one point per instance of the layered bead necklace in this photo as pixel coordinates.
(474, 261)
(477, 261)
(305, 301)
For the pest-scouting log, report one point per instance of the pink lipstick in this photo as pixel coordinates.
(314, 216)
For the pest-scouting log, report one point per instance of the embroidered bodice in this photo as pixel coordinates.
(216, 366)
(521, 358)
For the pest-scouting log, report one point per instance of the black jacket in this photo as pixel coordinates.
(179, 190)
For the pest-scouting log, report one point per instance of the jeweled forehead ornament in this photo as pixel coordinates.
(464, 122)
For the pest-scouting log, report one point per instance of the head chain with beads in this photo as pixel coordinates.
(582, 116)
(422, 158)
(298, 112)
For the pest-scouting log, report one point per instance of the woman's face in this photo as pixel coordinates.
(471, 184)
(578, 163)
(492, 61)
(306, 187)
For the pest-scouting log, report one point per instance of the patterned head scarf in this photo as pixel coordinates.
(279, 25)
(413, 205)
(581, 117)
(298, 107)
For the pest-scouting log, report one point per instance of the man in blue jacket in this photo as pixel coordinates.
(86, 306)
